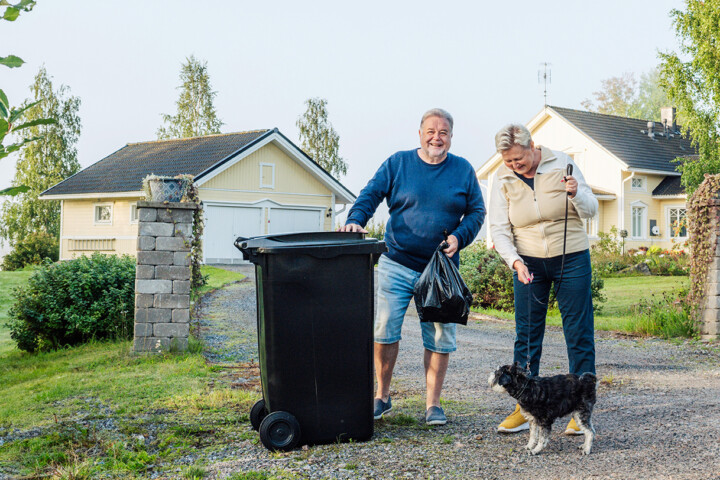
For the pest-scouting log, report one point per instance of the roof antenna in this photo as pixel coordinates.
(545, 77)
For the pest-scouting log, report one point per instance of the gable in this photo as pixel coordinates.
(281, 171)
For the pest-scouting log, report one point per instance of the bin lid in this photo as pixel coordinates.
(311, 242)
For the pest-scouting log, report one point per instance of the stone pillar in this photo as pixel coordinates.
(710, 326)
(162, 278)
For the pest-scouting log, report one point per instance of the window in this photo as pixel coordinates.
(676, 222)
(267, 175)
(103, 214)
(591, 226)
(637, 184)
(638, 221)
(133, 213)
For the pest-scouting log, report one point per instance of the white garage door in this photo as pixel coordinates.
(291, 220)
(223, 224)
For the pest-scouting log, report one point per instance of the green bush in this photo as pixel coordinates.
(72, 302)
(32, 250)
(487, 276)
(491, 281)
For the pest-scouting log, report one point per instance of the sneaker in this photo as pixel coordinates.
(515, 422)
(573, 429)
(435, 416)
(381, 408)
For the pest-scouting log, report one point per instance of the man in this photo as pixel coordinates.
(428, 190)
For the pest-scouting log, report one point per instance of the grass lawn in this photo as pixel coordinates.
(99, 409)
(622, 293)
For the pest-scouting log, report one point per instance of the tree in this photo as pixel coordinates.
(196, 114)
(44, 162)
(623, 96)
(319, 139)
(11, 118)
(694, 86)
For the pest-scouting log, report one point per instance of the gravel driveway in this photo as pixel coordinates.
(657, 415)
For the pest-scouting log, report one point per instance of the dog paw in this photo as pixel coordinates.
(586, 451)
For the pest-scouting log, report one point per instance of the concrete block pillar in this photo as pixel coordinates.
(710, 320)
(162, 277)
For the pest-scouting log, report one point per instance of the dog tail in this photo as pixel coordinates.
(588, 382)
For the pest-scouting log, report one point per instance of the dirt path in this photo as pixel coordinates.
(657, 416)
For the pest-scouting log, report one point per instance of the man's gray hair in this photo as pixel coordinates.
(437, 112)
(511, 135)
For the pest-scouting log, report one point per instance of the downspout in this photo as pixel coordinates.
(622, 201)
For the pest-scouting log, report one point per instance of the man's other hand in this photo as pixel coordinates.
(352, 227)
(452, 247)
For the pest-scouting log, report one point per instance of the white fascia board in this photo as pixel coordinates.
(88, 196)
(342, 195)
(682, 196)
(655, 172)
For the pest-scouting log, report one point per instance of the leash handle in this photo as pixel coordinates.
(568, 172)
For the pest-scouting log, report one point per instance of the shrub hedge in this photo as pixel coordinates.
(74, 301)
(34, 249)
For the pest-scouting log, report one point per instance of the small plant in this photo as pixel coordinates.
(401, 419)
(448, 439)
(194, 473)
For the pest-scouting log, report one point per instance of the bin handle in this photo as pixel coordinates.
(238, 245)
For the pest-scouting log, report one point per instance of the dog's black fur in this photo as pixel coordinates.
(544, 399)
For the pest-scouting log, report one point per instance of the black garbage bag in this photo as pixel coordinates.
(440, 293)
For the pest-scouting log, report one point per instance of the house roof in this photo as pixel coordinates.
(669, 186)
(124, 170)
(627, 139)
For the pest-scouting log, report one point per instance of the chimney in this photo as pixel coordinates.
(650, 126)
(667, 116)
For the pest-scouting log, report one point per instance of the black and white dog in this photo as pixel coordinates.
(544, 399)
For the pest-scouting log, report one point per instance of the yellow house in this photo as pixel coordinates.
(629, 165)
(250, 183)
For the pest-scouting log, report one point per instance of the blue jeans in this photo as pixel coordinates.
(394, 293)
(574, 300)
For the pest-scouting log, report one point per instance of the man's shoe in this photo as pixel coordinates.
(435, 416)
(515, 422)
(381, 408)
(573, 429)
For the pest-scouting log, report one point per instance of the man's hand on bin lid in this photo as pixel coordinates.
(352, 227)
(452, 247)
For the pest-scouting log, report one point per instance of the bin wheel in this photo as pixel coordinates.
(280, 431)
(257, 413)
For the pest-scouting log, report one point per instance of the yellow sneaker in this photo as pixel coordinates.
(573, 429)
(515, 422)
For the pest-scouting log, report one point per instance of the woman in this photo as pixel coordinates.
(527, 223)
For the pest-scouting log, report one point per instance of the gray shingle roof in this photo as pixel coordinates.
(669, 186)
(624, 139)
(124, 170)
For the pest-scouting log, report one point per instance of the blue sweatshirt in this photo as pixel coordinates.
(424, 199)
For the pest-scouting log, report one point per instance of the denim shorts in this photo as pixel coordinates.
(394, 293)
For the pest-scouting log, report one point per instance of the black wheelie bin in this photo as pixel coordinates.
(315, 311)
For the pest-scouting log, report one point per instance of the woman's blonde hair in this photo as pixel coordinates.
(511, 135)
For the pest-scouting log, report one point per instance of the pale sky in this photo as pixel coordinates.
(380, 64)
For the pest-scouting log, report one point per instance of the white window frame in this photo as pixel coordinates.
(133, 207)
(272, 167)
(643, 220)
(594, 222)
(643, 184)
(668, 222)
(95, 214)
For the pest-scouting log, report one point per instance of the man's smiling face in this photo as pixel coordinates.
(435, 138)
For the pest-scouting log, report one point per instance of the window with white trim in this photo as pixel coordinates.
(637, 184)
(676, 217)
(133, 213)
(103, 214)
(267, 175)
(591, 225)
(638, 221)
